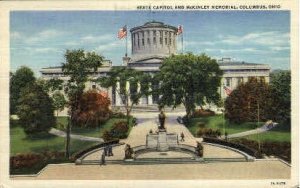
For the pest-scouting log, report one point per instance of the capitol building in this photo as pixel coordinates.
(151, 44)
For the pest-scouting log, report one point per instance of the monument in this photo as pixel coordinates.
(161, 140)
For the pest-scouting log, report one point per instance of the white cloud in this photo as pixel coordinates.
(92, 38)
(43, 35)
(272, 38)
(232, 50)
(45, 50)
(279, 48)
(15, 35)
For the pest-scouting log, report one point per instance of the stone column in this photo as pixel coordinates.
(150, 102)
(118, 98)
(128, 90)
(138, 90)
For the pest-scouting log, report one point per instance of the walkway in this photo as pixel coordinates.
(74, 136)
(258, 170)
(262, 129)
(146, 122)
(262, 169)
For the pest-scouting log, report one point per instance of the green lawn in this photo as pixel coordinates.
(217, 122)
(92, 132)
(277, 134)
(20, 143)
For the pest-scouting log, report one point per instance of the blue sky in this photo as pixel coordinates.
(40, 38)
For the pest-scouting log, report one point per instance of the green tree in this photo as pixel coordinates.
(78, 66)
(189, 80)
(35, 110)
(59, 101)
(23, 77)
(129, 84)
(52, 85)
(250, 101)
(280, 84)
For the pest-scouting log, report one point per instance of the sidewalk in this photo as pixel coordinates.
(74, 136)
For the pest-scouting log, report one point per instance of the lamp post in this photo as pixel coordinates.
(259, 149)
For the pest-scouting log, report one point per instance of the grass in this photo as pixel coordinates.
(217, 122)
(277, 134)
(20, 143)
(92, 132)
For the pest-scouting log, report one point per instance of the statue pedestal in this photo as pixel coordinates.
(162, 144)
(161, 140)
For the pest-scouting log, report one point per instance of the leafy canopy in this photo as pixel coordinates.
(93, 109)
(23, 77)
(129, 84)
(78, 66)
(250, 101)
(35, 110)
(189, 80)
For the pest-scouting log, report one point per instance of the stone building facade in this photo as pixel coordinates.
(151, 43)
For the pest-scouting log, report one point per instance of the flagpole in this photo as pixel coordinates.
(182, 42)
(126, 41)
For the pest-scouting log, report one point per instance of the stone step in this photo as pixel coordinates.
(225, 159)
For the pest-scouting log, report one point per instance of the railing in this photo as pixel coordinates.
(240, 147)
(87, 150)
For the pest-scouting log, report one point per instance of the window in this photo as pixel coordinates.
(240, 80)
(148, 40)
(170, 41)
(166, 41)
(143, 40)
(160, 37)
(94, 86)
(228, 80)
(154, 37)
(138, 41)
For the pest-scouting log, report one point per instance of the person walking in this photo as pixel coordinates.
(110, 153)
(106, 151)
(102, 161)
(182, 137)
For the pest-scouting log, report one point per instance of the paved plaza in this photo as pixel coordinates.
(259, 169)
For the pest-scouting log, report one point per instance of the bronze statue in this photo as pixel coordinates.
(128, 152)
(199, 149)
(161, 118)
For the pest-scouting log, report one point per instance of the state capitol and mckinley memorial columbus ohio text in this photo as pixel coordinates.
(207, 7)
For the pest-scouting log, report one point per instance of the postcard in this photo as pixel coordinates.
(149, 93)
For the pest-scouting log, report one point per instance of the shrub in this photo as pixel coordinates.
(208, 132)
(93, 109)
(203, 113)
(31, 159)
(279, 149)
(185, 120)
(118, 115)
(201, 124)
(107, 136)
(119, 130)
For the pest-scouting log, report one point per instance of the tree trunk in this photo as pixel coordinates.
(68, 131)
(127, 116)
